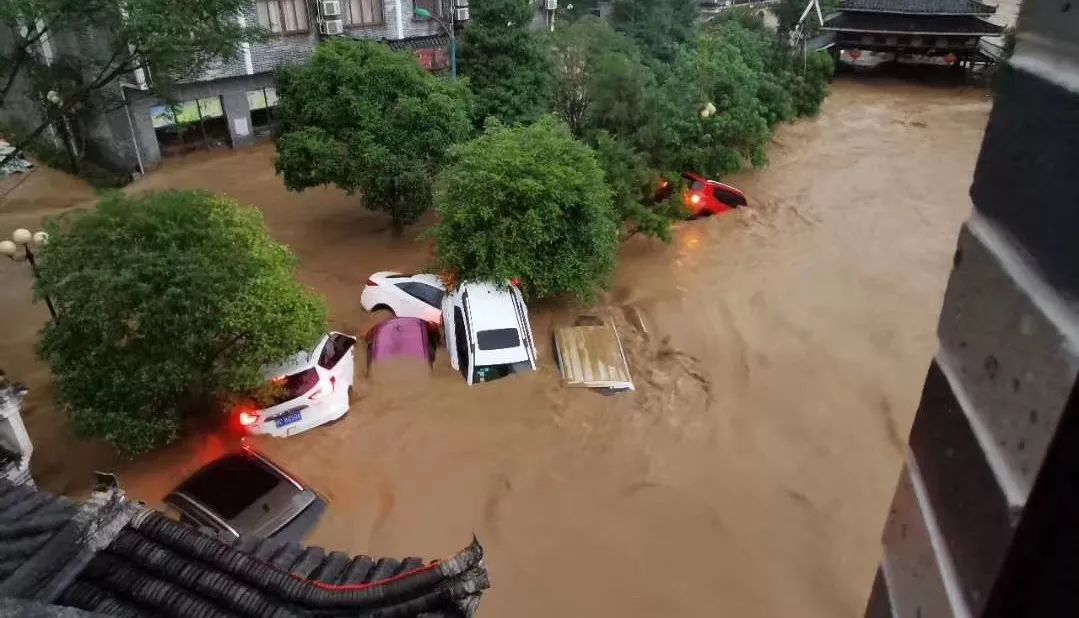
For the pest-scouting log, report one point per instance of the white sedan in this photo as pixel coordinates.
(307, 390)
(408, 296)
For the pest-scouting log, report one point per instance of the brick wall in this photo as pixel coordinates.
(983, 521)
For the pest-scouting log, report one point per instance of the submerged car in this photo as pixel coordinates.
(407, 296)
(400, 338)
(487, 332)
(590, 355)
(245, 493)
(705, 197)
(307, 390)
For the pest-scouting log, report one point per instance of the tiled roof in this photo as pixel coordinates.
(419, 42)
(939, 7)
(118, 558)
(910, 24)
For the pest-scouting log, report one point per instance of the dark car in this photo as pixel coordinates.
(245, 493)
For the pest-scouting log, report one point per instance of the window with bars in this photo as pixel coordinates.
(433, 6)
(282, 16)
(363, 12)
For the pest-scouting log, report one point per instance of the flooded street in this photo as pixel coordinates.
(778, 354)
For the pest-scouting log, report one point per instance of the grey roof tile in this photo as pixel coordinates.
(940, 7)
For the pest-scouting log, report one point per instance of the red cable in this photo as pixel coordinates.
(360, 587)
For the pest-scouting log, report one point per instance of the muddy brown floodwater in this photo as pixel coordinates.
(778, 354)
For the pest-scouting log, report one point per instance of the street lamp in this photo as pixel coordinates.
(23, 238)
(425, 14)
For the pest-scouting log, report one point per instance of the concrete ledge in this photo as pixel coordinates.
(1007, 358)
(1027, 178)
(972, 513)
(910, 566)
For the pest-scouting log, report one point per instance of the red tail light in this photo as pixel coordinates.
(248, 418)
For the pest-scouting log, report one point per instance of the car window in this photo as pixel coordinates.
(487, 373)
(230, 484)
(335, 349)
(287, 388)
(427, 293)
(498, 339)
(696, 186)
(459, 337)
(725, 196)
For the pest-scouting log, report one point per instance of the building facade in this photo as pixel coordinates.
(232, 104)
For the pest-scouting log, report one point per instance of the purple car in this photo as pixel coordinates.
(400, 338)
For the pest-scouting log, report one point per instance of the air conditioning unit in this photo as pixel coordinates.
(550, 5)
(331, 27)
(460, 14)
(329, 8)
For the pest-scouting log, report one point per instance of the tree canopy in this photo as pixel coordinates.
(503, 57)
(166, 302)
(660, 27)
(527, 203)
(367, 119)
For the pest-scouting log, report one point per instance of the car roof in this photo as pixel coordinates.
(492, 308)
(400, 337)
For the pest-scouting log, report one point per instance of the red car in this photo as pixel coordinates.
(706, 197)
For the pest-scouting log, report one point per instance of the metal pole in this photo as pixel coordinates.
(453, 54)
(33, 268)
(131, 129)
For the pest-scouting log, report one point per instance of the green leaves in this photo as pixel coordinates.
(367, 119)
(166, 301)
(503, 58)
(527, 203)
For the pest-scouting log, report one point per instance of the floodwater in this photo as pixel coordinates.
(778, 354)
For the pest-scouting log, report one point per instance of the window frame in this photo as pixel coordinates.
(278, 5)
(436, 8)
(405, 286)
(380, 17)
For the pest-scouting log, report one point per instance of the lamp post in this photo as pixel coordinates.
(23, 238)
(425, 14)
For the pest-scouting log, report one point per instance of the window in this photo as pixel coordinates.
(287, 388)
(427, 293)
(230, 485)
(460, 341)
(363, 12)
(190, 125)
(262, 102)
(282, 16)
(335, 349)
(498, 339)
(433, 6)
(489, 373)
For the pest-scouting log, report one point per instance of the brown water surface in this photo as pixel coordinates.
(778, 354)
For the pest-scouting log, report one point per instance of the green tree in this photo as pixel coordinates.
(504, 59)
(367, 119)
(661, 27)
(173, 41)
(608, 96)
(527, 203)
(166, 301)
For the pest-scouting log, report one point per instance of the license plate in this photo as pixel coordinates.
(288, 418)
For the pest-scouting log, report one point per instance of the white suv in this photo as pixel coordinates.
(487, 332)
(307, 390)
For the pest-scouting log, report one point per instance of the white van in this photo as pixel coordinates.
(487, 332)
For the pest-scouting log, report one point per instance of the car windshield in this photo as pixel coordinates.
(287, 388)
(230, 484)
(488, 373)
(696, 186)
(498, 339)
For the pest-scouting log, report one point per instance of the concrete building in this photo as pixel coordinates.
(232, 104)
